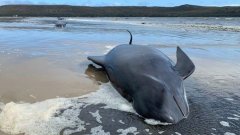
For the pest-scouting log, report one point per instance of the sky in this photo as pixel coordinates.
(167, 3)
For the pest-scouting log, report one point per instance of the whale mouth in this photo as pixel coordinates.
(183, 109)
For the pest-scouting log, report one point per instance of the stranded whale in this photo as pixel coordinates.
(147, 78)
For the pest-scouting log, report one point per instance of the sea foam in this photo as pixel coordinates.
(48, 118)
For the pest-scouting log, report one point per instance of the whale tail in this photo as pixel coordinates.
(130, 42)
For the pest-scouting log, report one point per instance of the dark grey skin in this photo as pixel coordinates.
(147, 78)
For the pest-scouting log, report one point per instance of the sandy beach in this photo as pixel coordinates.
(44, 72)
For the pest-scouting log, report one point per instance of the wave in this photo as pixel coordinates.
(143, 22)
(39, 118)
(104, 20)
(51, 116)
(208, 27)
(161, 24)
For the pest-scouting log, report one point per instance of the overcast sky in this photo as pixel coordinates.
(127, 2)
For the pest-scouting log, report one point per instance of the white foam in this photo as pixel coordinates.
(130, 130)
(120, 121)
(156, 122)
(206, 26)
(38, 118)
(236, 115)
(160, 132)
(96, 20)
(97, 116)
(1, 106)
(228, 133)
(228, 18)
(99, 131)
(233, 118)
(224, 123)
(109, 96)
(177, 133)
(49, 117)
(109, 47)
(229, 99)
(88, 20)
(147, 130)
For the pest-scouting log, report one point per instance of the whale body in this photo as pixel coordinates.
(149, 79)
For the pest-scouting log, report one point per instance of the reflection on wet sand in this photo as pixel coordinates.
(96, 74)
(36, 79)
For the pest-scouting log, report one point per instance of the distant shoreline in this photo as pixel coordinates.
(117, 11)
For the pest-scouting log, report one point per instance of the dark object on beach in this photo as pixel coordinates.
(60, 18)
(147, 78)
(143, 23)
(61, 23)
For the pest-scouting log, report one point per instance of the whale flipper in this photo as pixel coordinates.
(99, 60)
(184, 66)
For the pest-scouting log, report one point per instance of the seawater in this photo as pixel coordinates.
(44, 70)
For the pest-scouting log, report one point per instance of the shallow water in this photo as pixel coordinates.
(39, 62)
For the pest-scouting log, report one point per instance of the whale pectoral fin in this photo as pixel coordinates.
(184, 66)
(99, 60)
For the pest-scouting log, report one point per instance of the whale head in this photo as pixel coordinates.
(163, 97)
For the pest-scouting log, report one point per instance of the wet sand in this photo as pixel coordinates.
(47, 63)
(36, 79)
(212, 91)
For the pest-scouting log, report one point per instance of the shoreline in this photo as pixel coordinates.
(118, 11)
(49, 62)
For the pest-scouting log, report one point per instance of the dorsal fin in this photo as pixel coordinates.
(184, 66)
(99, 60)
(130, 42)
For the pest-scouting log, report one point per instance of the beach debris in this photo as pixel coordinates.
(61, 23)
